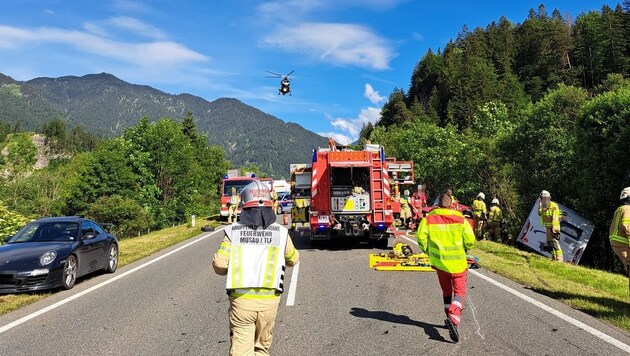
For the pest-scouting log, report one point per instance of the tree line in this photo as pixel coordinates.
(512, 109)
(154, 175)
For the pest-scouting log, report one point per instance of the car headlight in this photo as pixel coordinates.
(47, 258)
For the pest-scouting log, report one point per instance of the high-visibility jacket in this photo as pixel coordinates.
(620, 225)
(495, 214)
(445, 235)
(235, 200)
(404, 203)
(550, 217)
(257, 260)
(479, 207)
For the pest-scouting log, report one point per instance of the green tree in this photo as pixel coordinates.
(126, 215)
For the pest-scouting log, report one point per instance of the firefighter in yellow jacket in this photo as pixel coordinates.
(234, 202)
(619, 232)
(550, 213)
(495, 219)
(445, 235)
(254, 254)
(479, 214)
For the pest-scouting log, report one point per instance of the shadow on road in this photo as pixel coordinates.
(430, 330)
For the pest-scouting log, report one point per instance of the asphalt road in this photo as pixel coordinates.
(177, 305)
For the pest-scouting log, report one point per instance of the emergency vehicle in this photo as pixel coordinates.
(350, 194)
(401, 179)
(300, 182)
(233, 180)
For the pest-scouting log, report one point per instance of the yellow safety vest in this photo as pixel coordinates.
(496, 214)
(445, 235)
(550, 217)
(257, 260)
(617, 222)
(479, 207)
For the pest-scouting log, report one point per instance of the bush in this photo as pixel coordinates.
(126, 215)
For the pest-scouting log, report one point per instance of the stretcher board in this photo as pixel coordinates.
(418, 262)
(575, 232)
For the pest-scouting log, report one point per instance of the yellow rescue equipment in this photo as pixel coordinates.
(402, 258)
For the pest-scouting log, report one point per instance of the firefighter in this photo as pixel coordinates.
(274, 200)
(495, 219)
(620, 229)
(254, 254)
(445, 235)
(405, 209)
(418, 201)
(550, 213)
(235, 200)
(479, 214)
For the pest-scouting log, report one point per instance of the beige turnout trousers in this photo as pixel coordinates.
(251, 325)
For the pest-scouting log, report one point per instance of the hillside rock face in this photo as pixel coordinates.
(105, 105)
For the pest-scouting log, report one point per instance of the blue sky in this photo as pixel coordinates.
(348, 55)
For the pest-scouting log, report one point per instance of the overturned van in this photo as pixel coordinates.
(575, 231)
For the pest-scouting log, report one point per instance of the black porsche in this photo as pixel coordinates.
(53, 252)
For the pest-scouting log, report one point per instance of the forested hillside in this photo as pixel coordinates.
(515, 108)
(105, 105)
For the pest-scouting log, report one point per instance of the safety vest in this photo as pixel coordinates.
(478, 207)
(495, 214)
(235, 200)
(550, 217)
(618, 221)
(256, 257)
(445, 235)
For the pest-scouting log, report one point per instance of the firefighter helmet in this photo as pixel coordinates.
(495, 201)
(256, 194)
(481, 195)
(545, 194)
(625, 193)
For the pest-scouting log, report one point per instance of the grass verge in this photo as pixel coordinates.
(601, 294)
(131, 250)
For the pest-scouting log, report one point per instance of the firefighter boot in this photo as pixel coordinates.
(452, 330)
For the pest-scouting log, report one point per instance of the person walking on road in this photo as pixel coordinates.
(619, 232)
(495, 219)
(445, 235)
(549, 213)
(479, 214)
(254, 254)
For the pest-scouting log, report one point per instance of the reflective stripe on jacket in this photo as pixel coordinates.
(257, 260)
(496, 214)
(550, 217)
(445, 236)
(620, 225)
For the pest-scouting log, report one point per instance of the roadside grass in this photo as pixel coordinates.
(601, 294)
(130, 250)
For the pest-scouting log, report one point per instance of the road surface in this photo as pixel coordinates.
(176, 305)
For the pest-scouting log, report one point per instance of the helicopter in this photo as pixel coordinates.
(285, 83)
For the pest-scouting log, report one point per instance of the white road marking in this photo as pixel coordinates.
(102, 284)
(609, 339)
(293, 285)
(472, 307)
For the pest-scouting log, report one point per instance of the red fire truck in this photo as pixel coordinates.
(350, 194)
(233, 180)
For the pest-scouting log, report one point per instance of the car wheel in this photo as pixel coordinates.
(112, 259)
(279, 210)
(70, 272)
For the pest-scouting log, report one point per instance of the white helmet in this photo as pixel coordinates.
(406, 192)
(625, 193)
(256, 194)
(495, 201)
(545, 194)
(481, 195)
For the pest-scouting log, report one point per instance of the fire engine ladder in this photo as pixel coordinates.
(378, 193)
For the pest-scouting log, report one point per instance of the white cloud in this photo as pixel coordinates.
(137, 26)
(49, 12)
(417, 36)
(337, 43)
(129, 5)
(372, 95)
(301, 7)
(349, 129)
(147, 54)
(338, 137)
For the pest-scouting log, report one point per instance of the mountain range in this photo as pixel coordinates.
(105, 105)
